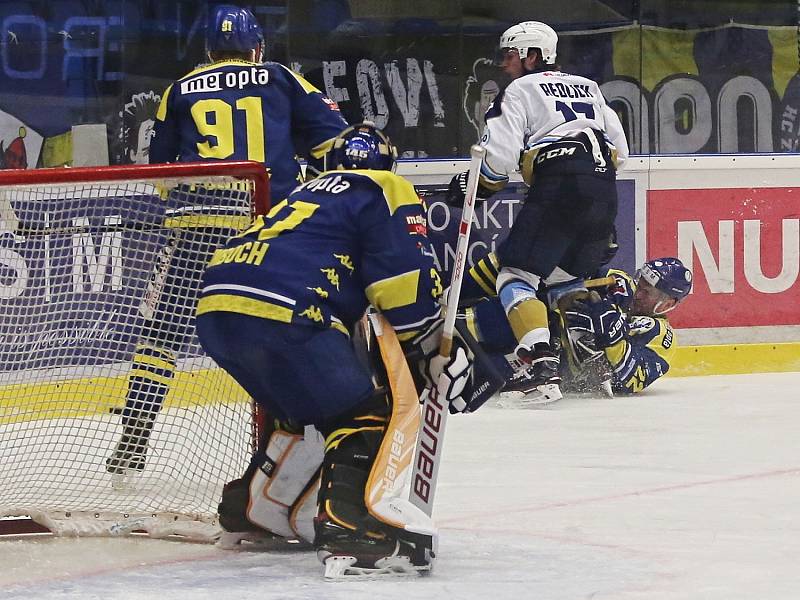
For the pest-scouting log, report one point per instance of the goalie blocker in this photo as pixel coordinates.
(475, 374)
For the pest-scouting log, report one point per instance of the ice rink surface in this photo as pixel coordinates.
(690, 490)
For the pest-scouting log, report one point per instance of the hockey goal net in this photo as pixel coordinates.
(99, 274)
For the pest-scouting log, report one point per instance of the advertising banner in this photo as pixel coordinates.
(743, 245)
(424, 78)
(494, 217)
(74, 275)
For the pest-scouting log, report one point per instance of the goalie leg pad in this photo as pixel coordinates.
(363, 521)
(351, 445)
(304, 509)
(283, 484)
(277, 494)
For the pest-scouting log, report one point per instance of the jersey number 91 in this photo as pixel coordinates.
(214, 120)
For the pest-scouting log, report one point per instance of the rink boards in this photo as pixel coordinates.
(733, 219)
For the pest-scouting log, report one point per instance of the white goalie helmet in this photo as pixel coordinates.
(531, 34)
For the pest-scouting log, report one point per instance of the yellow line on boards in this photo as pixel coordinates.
(730, 359)
(97, 395)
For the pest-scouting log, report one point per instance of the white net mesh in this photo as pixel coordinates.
(111, 417)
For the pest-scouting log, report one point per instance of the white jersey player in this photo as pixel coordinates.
(555, 128)
(539, 108)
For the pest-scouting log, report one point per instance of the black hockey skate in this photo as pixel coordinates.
(130, 454)
(536, 384)
(349, 554)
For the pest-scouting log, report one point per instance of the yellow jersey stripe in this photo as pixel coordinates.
(409, 335)
(228, 62)
(199, 221)
(481, 280)
(158, 363)
(304, 83)
(166, 354)
(322, 149)
(244, 306)
(396, 190)
(151, 376)
(253, 308)
(616, 353)
(394, 292)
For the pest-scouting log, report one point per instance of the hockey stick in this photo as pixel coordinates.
(428, 452)
(158, 278)
(599, 282)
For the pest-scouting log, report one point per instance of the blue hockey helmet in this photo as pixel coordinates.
(233, 29)
(361, 146)
(670, 278)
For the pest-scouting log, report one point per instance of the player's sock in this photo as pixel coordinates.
(149, 379)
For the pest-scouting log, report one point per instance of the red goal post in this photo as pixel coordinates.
(96, 263)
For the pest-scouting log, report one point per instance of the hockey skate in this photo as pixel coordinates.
(350, 555)
(537, 383)
(130, 455)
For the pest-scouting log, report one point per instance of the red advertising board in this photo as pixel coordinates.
(743, 245)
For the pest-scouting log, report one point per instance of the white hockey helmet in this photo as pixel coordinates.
(531, 34)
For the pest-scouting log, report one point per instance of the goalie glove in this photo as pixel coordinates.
(457, 190)
(599, 317)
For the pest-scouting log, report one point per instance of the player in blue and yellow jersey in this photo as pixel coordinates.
(625, 323)
(630, 325)
(277, 308)
(238, 108)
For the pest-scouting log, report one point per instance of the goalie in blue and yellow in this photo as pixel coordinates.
(277, 307)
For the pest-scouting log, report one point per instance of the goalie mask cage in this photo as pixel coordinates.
(96, 264)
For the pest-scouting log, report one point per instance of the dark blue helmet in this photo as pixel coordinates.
(361, 146)
(232, 29)
(669, 276)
